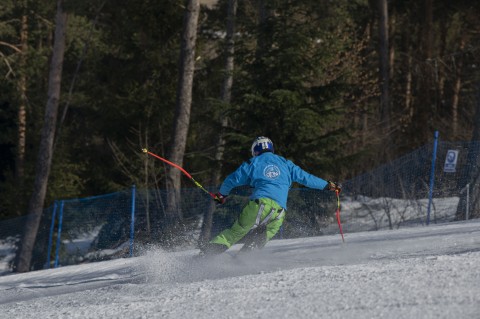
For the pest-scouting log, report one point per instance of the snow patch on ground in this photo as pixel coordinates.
(420, 272)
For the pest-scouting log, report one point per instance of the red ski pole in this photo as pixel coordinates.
(337, 213)
(182, 170)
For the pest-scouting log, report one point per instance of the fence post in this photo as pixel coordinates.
(132, 224)
(50, 236)
(59, 234)
(432, 176)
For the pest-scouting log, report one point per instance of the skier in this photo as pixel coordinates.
(271, 176)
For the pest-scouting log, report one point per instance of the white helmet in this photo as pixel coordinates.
(261, 144)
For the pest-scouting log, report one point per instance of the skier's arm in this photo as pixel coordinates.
(237, 178)
(302, 177)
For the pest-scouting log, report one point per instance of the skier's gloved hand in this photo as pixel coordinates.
(220, 199)
(335, 187)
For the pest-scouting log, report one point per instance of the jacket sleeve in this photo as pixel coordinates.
(238, 178)
(302, 177)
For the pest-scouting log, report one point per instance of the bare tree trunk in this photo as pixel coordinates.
(182, 111)
(364, 120)
(262, 35)
(424, 107)
(384, 66)
(45, 153)
(441, 67)
(391, 44)
(428, 30)
(457, 87)
(408, 87)
(22, 113)
(225, 97)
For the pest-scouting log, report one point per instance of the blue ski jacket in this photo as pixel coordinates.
(271, 176)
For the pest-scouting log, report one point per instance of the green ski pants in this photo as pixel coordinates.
(259, 212)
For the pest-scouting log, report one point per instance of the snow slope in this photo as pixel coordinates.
(421, 272)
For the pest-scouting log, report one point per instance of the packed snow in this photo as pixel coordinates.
(420, 272)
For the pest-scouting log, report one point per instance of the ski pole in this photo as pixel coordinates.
(337, 213)
(182, 170)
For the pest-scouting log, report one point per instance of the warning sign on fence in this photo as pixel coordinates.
(450, 161)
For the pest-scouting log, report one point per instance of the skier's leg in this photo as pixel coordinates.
(257, 238)
(274, 225)
(240, 228)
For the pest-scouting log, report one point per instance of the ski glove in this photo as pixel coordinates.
(332, 186)
(220, 199)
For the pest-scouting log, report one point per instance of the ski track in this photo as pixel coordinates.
(420, 272)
